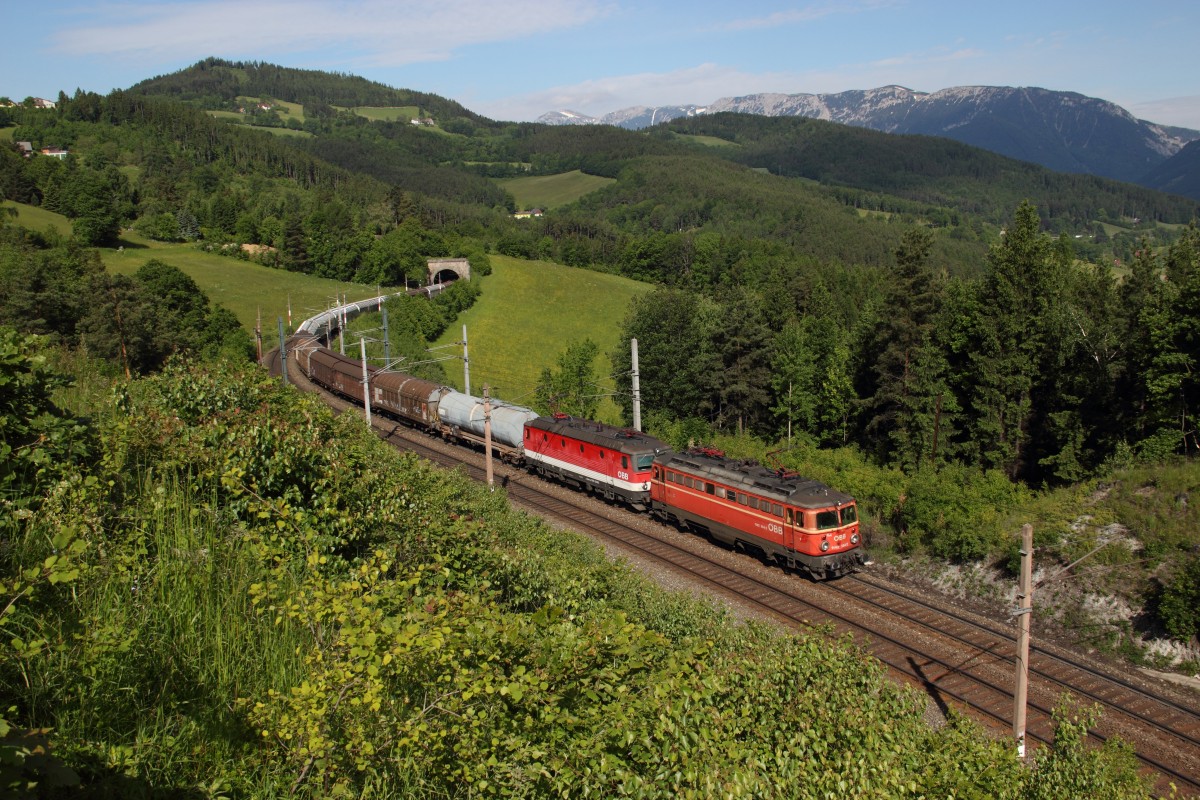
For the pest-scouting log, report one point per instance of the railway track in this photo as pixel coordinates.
(958, 660)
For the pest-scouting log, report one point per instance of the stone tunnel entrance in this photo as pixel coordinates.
(444, 270)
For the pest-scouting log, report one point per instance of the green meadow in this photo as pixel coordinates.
(527, 315)
(39, 219)
(707, 141)
(388, 113)
(549, 191)
(245, 288)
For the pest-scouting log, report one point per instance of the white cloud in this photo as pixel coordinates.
(796, 16)
(1181, 111)
(375, 32)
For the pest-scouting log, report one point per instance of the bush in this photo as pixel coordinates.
(953, 512)
(1179, 604)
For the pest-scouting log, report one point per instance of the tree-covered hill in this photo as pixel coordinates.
(216, 83)
(931, 171)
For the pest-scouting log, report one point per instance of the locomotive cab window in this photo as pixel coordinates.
(827, 519)
(624, 462)
(789, 516)
(849, 514)
(581, 448)
(644, 462)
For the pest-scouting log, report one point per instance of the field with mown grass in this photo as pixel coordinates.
(241, 286)
(707, 141)
(38, 219)
(549, 191)
(387, 113)
(529, 312)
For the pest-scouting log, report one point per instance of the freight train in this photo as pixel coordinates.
(799, 523)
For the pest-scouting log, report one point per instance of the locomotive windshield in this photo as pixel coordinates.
(829, 519)
(644, 462)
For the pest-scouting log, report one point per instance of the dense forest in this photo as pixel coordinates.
(956, 327)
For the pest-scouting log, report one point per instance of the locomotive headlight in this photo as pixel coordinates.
(854, 539)
(824, 546)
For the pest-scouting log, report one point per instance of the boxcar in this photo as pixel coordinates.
(334, 371)
(408, 397)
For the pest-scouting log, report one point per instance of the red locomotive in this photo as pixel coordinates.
(798, 522)
(613, 462)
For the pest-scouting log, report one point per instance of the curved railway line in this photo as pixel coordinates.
(958, 659)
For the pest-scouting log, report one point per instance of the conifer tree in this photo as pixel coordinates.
(1008, 339)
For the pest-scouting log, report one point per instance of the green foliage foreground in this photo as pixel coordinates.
(241, 595)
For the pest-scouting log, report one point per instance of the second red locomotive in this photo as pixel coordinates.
(798, 522)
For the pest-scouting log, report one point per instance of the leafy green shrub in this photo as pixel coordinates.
(1178, 606)
(953, 512)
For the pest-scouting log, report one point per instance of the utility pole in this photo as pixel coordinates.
(487, 436)
(341, 315)
(366, 379)
(283, 354)
(789, 413)
(258, 335)
(387, 341)
(466, 365)
(637, 388)
(1024, 612)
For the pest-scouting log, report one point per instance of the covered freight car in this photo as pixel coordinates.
(334, 371)
(413, 399)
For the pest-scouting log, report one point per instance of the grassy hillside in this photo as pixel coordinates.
(549, 191)
(528, 314)
(243, 287)
(388, 113)
(38, 219)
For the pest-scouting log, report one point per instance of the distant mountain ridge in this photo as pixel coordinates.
(632, 118)
(1064, 131)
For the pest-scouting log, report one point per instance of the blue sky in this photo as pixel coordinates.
(517, 59)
